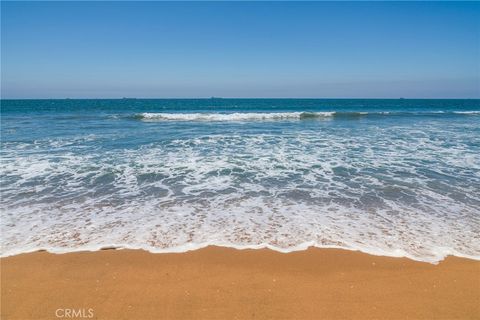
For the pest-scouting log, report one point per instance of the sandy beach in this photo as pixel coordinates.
(222, 283)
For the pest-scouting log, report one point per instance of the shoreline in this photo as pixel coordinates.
(226, 283)
(302, 247)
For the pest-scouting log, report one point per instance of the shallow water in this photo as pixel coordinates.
(390, 177)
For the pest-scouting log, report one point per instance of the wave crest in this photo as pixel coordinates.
(238, 116)
(272, 116)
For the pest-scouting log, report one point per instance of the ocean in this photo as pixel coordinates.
(394, 177)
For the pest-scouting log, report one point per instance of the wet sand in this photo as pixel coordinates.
(222, 283)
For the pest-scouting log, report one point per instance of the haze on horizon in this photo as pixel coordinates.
(240, 49)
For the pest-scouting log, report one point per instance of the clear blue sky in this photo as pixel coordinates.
(241, 49)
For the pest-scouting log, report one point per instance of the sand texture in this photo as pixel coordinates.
(222, 283)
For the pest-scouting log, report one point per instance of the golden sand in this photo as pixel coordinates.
(221, 283)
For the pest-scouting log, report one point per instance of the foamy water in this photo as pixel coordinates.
(236, 116)
(385, 180)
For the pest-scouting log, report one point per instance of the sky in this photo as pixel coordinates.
(240, 49)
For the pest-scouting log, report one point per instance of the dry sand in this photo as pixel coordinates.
(221, 283)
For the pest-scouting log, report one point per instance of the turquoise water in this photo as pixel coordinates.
(391, 177)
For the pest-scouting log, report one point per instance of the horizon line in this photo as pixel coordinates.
(244, 98)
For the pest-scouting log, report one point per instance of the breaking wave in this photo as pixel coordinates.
(238, 116)
(271, 116)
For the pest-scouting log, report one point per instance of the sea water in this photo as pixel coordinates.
(389, 177)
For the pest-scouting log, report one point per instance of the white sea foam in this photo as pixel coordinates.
(378, 192)
(467, 112)
(271, 116)
(239, 116)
